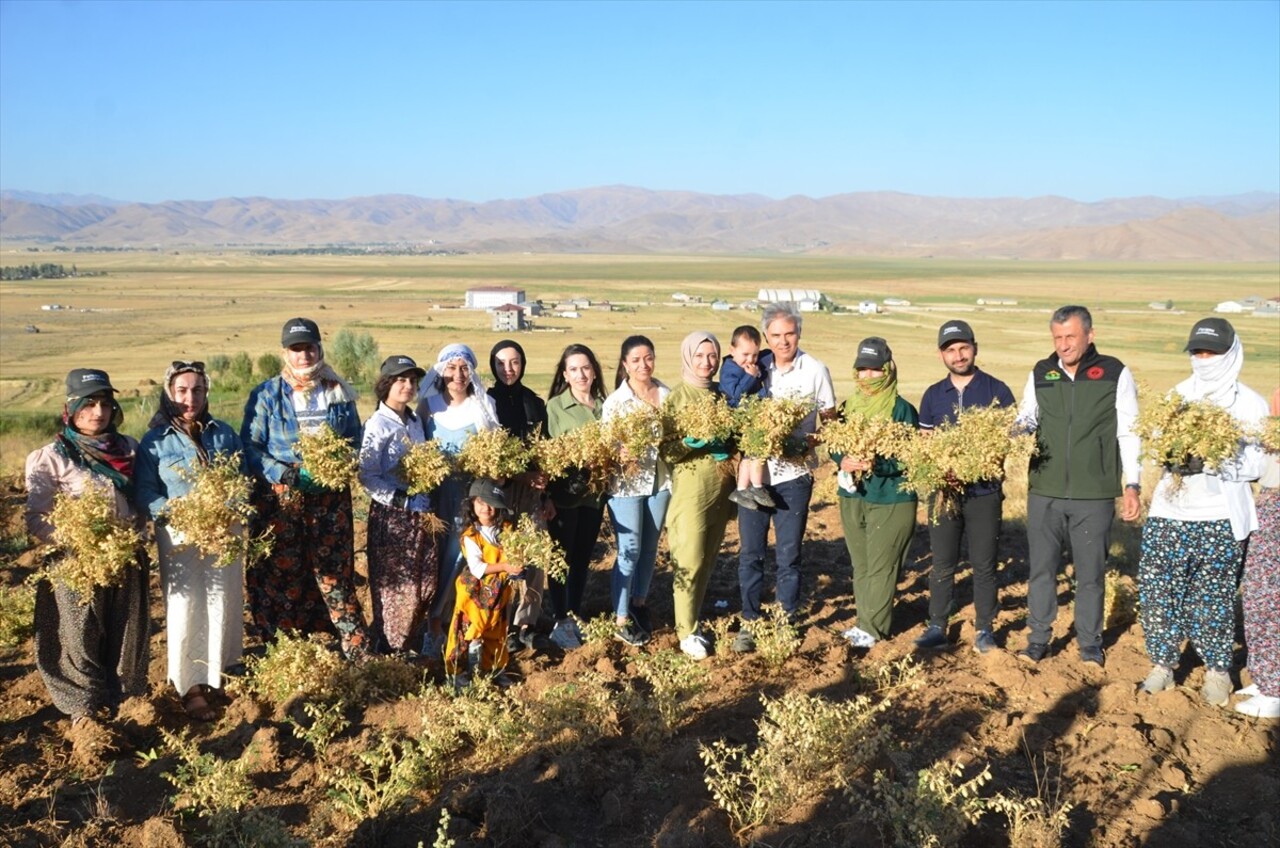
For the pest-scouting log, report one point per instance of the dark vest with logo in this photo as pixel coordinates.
(1079, 456)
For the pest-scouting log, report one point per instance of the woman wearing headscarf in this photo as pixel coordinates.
(91, 651)
(453, 407)
(401, 548)
(307, 583)
(204, 603)
(522, 413)
(878, 517)
(1261, 591)
(638, 499)
(575, 399)
(700, 507)
(1193, 539)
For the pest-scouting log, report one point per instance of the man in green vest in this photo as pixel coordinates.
(1082, 406)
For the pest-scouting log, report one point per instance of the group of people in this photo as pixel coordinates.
(452, 592)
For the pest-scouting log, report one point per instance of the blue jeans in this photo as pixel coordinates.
(789, 520)
(637, 522)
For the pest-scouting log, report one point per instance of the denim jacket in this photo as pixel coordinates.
(270, 428)
(165, 453)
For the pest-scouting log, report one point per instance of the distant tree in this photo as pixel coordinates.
(218, 363)
(240, 370)
(354, 356)
(269, 365)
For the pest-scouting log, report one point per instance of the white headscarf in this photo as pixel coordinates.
(478, 398)
(1216, 378)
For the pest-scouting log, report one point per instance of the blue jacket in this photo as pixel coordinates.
(165, 453)
(270, 428)
(942, 403)
(737, 384)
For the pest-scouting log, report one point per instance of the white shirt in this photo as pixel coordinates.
(386, 440)
(1126, 415)
(652, 475)
(804, 379)
(475, 557)
(311, 409)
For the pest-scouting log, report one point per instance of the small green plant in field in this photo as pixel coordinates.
(718, 629)
(294, 665)
(657, 709)
(442, 832)
(481, 716)
(1036, 822)
(573, 714)
(327, 721)
(777, 639)
(934, 811)
(206, 784)
(806, 745)
(251, 828)
(17, 614)
(1119, 601)
(902, 674)
(383, 780)
(598, 630)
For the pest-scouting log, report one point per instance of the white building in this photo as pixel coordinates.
(488, 297)
(788, 295)
(896, 301)
(1229, 306)
(868, 307)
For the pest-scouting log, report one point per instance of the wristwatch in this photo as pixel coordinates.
(1137, 488)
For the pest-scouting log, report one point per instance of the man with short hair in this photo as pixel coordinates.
(792, 374)
(1082, 406)
(974, 512)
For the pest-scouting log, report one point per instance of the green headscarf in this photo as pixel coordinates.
(875, 397)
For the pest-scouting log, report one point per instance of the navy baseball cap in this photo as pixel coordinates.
(83, 382)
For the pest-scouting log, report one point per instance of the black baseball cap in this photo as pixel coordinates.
(299, 331)
(489, 492)
(83, 382)
(873, 352)
(394, 366)
(955, 331)
(1215, 335)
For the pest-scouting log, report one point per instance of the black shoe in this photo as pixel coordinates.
(933, 637)
(640, 615)
(1034, 652)
(631, 634)
(743, 643)
(514, 645)
(1092, 655)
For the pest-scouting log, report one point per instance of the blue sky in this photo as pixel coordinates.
(478, 101)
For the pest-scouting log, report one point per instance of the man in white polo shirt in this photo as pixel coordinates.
(793, 374)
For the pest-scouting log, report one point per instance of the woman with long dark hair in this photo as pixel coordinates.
(638, 499)
(576, 398)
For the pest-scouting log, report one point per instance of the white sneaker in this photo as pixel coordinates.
(566, 634)
(859, 638)
(1248, 691)
(694, 645)
(1261, 706)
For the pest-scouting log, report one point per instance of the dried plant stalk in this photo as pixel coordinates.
(707, 416)
(587, 447)
(862, 437)
(329, 459)
(1269, 436)
(973, 449)
(99, 546)
(763, 424)
(424, 467)
(496, 454)
(1174, 430)
(635, 432)
(212, 517)
(527, 544)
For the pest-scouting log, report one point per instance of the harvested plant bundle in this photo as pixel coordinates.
(329, 459)
(863, 438)
(970, 450)
(497, 454)
(587, 447)
(1269, 436)
(424, 467)
(636, 431)
(213, 515)
(527, 544)
(99, 546)
(706, 417)
(763, 424)
(1175, 430)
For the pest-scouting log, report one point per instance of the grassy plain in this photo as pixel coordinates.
(155, 306)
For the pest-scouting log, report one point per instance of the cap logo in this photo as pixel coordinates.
(947, 330)
(870, 350)
(1052, 375)
(299, 328)
(404, 360)
(1206, 331)
(90, 378)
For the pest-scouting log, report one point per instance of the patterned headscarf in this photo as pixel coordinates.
(107, 454)
(170, 413)
(688, 348)
(318, 376)
(477, 396)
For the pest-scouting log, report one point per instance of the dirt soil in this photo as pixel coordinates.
(1162, 771)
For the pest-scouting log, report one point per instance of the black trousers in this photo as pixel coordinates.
(979, 519)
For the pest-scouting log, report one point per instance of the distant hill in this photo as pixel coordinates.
(615, 219)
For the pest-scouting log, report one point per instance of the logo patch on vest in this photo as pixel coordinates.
(1095, 373)
(1052, 375)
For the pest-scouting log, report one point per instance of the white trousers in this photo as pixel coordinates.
(204, 612)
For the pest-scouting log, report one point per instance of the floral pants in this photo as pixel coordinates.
(1262, 596)
(404, 572)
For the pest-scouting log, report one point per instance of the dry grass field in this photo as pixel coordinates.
(574, 756)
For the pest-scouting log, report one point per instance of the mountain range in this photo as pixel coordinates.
(624, 219)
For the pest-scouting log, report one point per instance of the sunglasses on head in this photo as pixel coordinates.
(180, 365)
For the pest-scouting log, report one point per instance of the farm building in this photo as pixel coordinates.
(569, 313)
(868, 307)
(1269, 307)
(896, 301)
(1161, 304)
(720, 306)
(681, 297)
(996, 301)
(488, 297)
(1229, 306)
(507, 317)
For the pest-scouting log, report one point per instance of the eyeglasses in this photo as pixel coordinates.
(195, 365)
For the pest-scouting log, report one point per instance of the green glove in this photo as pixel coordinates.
(307, 484)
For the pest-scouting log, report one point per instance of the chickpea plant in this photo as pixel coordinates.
(213, 515)
(328, 458)
(99, 546)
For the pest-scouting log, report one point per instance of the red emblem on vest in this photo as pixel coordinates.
(1094, 373)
